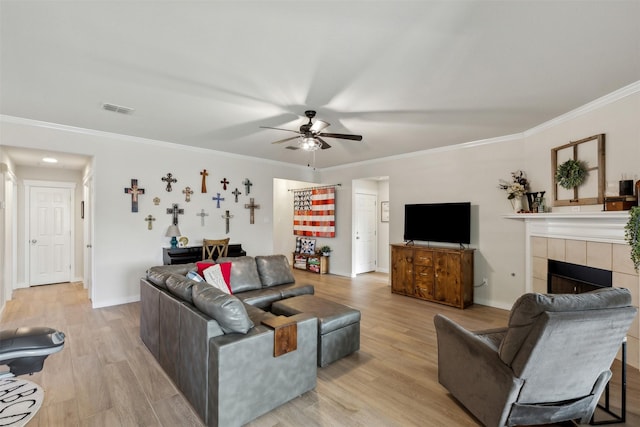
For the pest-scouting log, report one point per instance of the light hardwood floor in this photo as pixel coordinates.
(105, 376)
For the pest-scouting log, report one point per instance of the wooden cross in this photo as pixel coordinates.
(251, 206)
(226, 218)
(134, 191)
(175, 212)
(218, 199)
(204, 174)
(169, 179)
(149, 220)
(247, 185)
(236, 193)
(224, 183)
(187, 194)
(202, 214)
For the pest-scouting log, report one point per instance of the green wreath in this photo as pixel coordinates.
(571, 174)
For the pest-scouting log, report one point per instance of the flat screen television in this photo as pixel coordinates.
(438, 222)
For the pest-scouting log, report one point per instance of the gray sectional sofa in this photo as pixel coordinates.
(214, 346)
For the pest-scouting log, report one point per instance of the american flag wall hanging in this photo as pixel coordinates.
(314, 212)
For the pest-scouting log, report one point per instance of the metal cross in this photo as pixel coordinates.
(134, 191)
(175, 212)
(169, 179)
(218, 199)
(204, 174)
(236, 193)
(202, 214)
(224, 183)
(226, 218)
(187, 194)
(247, 185)
(149, 220)
(251, 205)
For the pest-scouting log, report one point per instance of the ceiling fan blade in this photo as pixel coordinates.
(342, 136)
(324, 145)
(318, 126)
(288, 130)
(285, 140)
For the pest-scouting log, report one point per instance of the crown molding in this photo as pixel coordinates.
(137, 139)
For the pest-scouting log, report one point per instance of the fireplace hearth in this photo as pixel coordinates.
(567, 278)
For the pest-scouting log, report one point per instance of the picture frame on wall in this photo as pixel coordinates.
(384, 211)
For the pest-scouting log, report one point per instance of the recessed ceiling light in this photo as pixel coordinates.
(49, 160)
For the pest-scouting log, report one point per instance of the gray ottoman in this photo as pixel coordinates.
(338, 325)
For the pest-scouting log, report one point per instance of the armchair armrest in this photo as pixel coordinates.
(470, 368)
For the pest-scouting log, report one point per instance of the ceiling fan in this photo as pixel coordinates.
(310, 134)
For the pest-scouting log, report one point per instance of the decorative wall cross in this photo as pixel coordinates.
(204, 174)
(134, 191)
(224, 183)
(247, 185)
(156, 201)
(236, 193)
(226, 218)
(169, 179)
(149, 220)
(218, 199)
(251, 205)
(175, 212)
(187, 194)
(202, 214)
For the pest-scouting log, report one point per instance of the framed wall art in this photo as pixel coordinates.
(578, 174)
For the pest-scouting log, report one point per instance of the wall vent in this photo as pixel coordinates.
(117, 108)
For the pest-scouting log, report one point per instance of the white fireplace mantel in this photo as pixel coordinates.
(603, 226)
(606, 227)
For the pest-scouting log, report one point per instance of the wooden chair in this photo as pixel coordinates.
(213, 249)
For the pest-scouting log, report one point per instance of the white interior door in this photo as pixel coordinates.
(49, 235)
(365, 233)
(88, 237)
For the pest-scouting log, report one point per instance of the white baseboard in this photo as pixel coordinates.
(115, 301)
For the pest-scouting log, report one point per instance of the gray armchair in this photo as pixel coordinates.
(549, 365)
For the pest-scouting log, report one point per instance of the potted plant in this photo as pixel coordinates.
(632, 235)
(325, 250)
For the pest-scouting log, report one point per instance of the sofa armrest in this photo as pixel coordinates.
(470, 368)
(246, 380)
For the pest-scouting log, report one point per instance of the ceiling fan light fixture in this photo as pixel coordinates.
(310, 144)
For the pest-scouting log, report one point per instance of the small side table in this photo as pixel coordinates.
(617, 418)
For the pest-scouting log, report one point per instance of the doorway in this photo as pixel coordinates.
(365, 232)
(50, 232)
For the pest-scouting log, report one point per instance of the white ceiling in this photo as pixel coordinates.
(407, 75)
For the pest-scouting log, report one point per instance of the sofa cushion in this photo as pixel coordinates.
(529, 307)
(274, 270)
(226, 309)
(261, 298)
(180, 286)
(244, 273)
(158, 275)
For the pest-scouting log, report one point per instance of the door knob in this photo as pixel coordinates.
(89, 246)
(33, 241)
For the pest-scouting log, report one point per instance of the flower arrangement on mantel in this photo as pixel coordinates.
(516, 187)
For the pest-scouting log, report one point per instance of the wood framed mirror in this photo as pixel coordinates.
(591, 152)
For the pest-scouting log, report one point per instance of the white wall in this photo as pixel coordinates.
(123, 247)
(470, 172)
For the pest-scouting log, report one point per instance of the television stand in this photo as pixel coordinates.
(436, 274)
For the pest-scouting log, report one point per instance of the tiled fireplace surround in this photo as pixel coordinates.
(593, 239)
